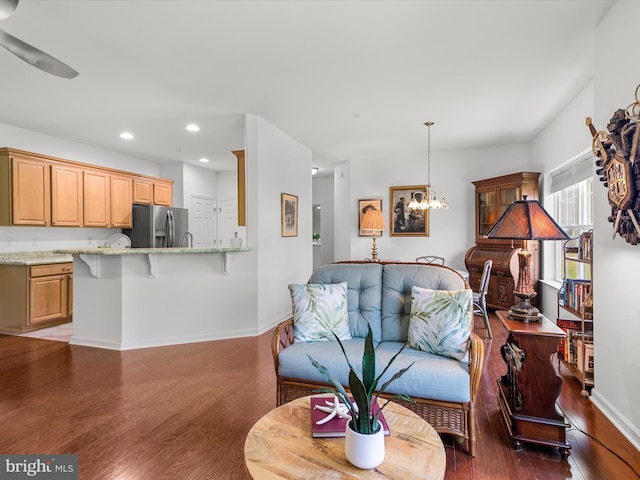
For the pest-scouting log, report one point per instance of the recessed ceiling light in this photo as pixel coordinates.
(126, 135)
(192, 127)
(204, 160)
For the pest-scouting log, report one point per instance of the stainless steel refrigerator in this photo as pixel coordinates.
(155, 226)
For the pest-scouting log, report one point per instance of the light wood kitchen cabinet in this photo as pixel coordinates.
(121, 195)
(163, 193)
(157, 192)
(40, 190)
(66, 196)
(35, 296)
(142, 191)
(242, 201)
(25, 189)
(97, 199)
(107, 200)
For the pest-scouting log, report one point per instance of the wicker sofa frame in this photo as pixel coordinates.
(455, 418)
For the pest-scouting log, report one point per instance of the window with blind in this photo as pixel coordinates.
(572, 190)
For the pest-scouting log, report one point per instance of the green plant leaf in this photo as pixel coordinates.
(396, 376)
(362, 390)
(363, 400)
(369, 363)
(339, 389)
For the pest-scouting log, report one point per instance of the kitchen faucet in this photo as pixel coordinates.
(187, 239)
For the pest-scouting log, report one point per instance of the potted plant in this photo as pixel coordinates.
(364, 436)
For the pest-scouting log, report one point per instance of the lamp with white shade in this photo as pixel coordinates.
(373, 223)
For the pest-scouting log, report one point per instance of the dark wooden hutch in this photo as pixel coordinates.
(493, 197)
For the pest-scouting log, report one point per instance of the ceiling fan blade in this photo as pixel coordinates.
(35, 57)
(7, 7)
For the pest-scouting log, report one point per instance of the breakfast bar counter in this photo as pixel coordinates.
(92, 256)
(143, 297)
(33, 258)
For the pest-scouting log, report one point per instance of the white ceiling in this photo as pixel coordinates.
(348, 79)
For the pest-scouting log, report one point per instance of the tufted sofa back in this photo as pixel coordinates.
(364, 294)
(397, 281)
(380, 294)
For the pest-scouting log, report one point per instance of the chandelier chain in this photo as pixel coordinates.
(428, 124)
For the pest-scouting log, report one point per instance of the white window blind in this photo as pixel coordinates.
(577, 171)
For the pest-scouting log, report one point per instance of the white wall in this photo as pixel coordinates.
(175, 171)
(616, 325)
(341, 212)
(452, 232)
(200, 181)
(21, 139)
(23, 239)
(564, 139)
(616, 263)
(323, 195)
(227, 185)
(277, 164)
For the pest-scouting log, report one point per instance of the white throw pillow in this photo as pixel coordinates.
(441, 322)
(319, 311)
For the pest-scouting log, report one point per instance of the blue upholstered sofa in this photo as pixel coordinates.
(444, 389)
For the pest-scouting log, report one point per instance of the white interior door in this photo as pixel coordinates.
(202, 220)
(229, 223)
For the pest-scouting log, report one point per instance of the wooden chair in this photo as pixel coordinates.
(480, 297)
(431, 259)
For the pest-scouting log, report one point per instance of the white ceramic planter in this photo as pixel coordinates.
(364, 451)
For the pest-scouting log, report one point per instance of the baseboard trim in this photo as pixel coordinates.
(618, 420)
(133, 345)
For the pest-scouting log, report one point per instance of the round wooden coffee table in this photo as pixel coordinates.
(280, 446)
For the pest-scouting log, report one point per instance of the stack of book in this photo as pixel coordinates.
(337, 425)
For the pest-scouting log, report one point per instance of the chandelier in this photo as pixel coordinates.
(428, 198)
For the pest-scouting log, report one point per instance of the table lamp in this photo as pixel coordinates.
(526, 220)
(373, 221)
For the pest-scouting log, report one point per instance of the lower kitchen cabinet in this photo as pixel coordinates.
(35, 296)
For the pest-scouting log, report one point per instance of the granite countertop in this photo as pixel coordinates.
(34, 258)
(146, 251)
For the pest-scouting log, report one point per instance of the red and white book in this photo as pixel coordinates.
(337, 425)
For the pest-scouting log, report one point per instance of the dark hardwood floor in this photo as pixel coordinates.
(182, 412)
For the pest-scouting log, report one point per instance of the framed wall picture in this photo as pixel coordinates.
(405, 221)
(289, 215)
(363, 206)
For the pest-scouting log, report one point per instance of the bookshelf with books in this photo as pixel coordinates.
(575, 309)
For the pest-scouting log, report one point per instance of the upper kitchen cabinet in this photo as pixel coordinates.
(39, 190)
(163, 193)
(142, 191)
(121, 200)
(97, 206)
(25, 189)
(152, 191)
(107, 199)
(66, 196)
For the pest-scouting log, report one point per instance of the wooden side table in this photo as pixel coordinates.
(280, 446)
(527, 394)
